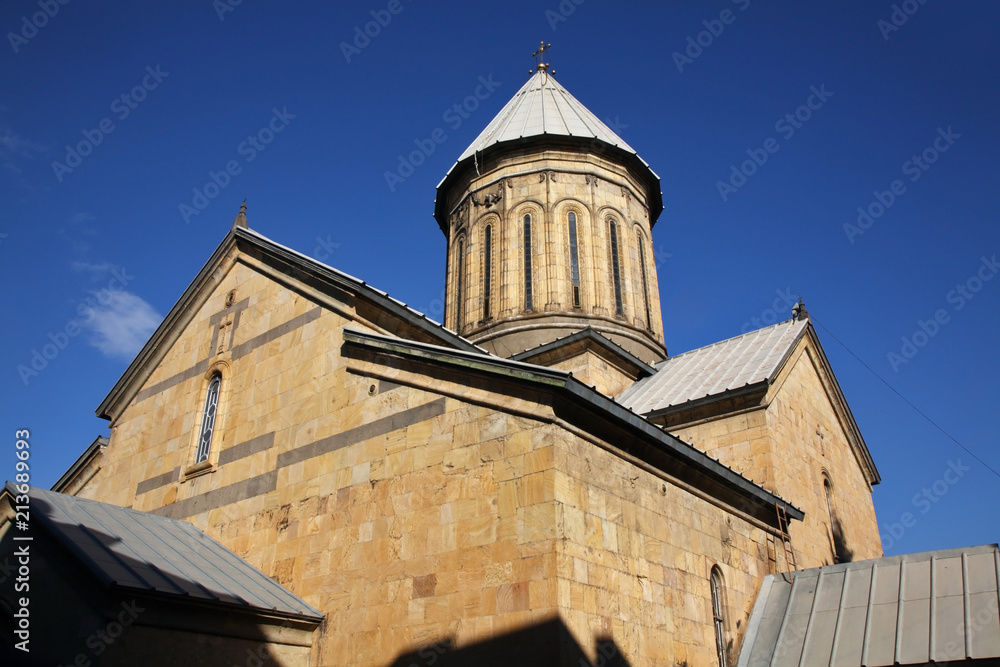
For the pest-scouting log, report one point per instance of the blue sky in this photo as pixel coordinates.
(769, 123)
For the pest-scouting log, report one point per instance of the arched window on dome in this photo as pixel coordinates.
(574, 260)
(208, 418)
(718, 614)
(487, 269)
(528, 305)
(616, 268)
(459, 284)
(645, 280)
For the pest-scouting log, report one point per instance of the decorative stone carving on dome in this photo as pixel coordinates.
(489, 200)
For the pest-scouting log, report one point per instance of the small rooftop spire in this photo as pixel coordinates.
(799, 311)
(241, 217)
(541, 64)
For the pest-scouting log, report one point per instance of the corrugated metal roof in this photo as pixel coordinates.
(128, 549)
(543, 106)
(907, 610)
(731, 364)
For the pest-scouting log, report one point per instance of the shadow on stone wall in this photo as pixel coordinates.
(840, 550)
(548, 643)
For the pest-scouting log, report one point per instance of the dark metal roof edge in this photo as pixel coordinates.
(248, 609)
(590, 333)
(565, 381)
(98, 445)
(352, 284)
(706, 400)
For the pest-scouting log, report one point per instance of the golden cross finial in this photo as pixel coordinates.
(540, 57)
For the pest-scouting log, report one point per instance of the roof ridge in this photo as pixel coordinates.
(727, 340)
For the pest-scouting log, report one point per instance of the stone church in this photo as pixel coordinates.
(301, 470)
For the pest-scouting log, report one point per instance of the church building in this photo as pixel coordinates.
(302, 470)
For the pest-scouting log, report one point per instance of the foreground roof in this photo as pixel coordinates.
(150, 554)
(732, 364)
(936, 606)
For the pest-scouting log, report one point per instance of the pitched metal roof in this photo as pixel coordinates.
(906, 610)
(543, 107)
(152, 554)
(708, 371)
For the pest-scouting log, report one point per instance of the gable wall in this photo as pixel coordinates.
(812, 441)
(777, 445)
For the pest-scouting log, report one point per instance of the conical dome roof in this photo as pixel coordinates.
(543, 109)
(543, 106)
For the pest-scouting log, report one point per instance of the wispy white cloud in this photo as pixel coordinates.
(89, 267)
(81, 217)
(14, 148)
(120, 323)
(12, 143)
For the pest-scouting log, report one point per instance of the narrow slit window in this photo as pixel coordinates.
(527, 263)
(487, 269)
(574, 260)
(208, 419)
(645, 281)
(615, 271)
(718, 616)
(459, 273)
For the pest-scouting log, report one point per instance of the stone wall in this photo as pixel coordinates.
(789, 444)
(413, 510)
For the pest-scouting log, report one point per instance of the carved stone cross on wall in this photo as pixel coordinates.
(224, 324)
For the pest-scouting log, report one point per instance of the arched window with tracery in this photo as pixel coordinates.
(208, 418)
(459, 284)
(645, 280)
(528, 300)
(616, 267)
(487, 269)
(574, 260)
(718, 614)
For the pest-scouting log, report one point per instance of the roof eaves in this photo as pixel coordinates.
(96, 447)
(745, 390)
(587, 333)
